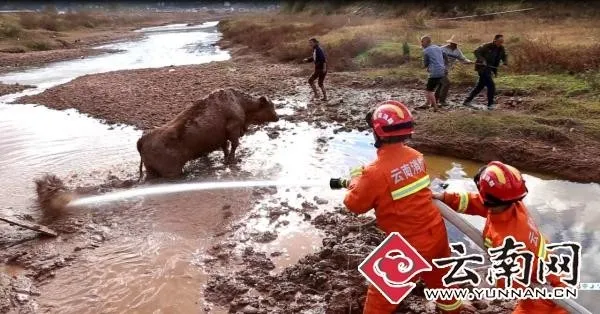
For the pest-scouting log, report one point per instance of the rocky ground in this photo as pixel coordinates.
(322, 282)
(150, 97)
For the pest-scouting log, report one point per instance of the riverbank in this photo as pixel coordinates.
(543, 144)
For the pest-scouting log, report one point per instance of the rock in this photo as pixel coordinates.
(248, 309)
(480, 305)
(265, 237)
(22, 298)
(308, 205)
(320, 201)
(97, 238)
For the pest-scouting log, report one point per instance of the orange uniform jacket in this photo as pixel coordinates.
(396, 185)
(516, 222)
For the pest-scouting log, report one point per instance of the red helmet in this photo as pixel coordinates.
(391, 118)
(500, 184)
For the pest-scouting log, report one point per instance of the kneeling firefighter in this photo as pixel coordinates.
(396, 185)
(501, 191)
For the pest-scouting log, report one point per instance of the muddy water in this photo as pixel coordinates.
(134, 274)
(156, 269)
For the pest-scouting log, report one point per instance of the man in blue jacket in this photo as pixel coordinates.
(433, 60)
(320, 60)
(488, 58)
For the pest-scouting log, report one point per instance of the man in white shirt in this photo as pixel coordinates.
(451, 55)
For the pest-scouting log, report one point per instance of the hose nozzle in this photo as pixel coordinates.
(338, 183)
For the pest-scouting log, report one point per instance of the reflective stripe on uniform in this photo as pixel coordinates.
(464, 202)
(542, 248)
(487, 242)
(449, 307)
(355, 172)
(411, 188)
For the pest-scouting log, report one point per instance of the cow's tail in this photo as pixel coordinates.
(139, 146)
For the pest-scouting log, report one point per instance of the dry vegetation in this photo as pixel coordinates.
(554, 57)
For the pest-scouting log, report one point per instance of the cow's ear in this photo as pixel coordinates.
(264, 101)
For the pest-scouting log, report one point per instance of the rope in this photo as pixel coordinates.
(485, 14)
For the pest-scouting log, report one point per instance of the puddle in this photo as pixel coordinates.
(153, 272)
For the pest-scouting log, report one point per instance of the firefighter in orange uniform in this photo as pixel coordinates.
(501, 189)
(396, 185)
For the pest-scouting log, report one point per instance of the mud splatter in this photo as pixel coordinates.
(52, 195)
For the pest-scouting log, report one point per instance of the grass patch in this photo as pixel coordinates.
(570, 85)
(502, 124)
(41, 45)
(407, 73)
(387, 53)
(577, 108)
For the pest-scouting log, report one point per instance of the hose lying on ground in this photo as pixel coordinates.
(475, 235)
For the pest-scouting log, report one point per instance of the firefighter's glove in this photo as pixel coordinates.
(356, 171)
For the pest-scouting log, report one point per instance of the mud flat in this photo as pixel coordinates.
(150, 97)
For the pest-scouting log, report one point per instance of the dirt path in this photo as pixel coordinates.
(150, 97)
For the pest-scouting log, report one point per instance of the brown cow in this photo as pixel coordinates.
(211, 123)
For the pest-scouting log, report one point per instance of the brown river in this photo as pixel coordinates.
(151, 259)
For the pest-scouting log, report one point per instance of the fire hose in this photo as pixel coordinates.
(475, 235)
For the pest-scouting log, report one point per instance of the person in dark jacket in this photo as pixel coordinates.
(320, 60)
(488, 58)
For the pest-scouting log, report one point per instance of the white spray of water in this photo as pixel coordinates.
(187, 187)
